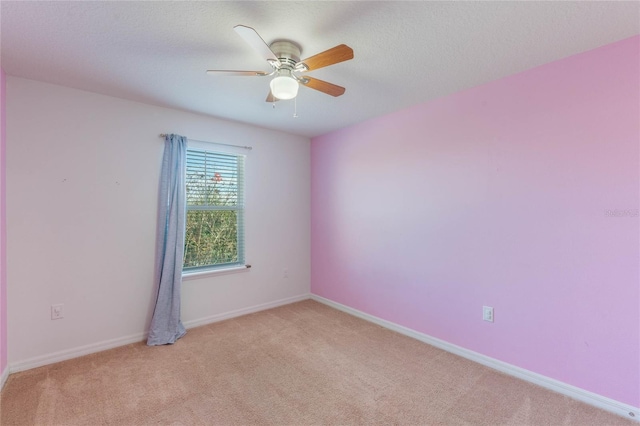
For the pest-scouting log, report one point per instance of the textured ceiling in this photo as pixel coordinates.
(405, 52)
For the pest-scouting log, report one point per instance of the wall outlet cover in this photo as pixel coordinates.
(487, 313)
(57, 312)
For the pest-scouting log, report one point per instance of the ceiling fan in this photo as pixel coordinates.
(284, 58)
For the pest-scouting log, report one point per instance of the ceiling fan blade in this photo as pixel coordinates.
(254, 40)
(323, 86)
(271, 98)
(234, 72)
(332, 56)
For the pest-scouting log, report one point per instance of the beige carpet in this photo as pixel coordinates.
(300, 364)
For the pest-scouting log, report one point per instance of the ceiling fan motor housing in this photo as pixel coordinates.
(287, 52)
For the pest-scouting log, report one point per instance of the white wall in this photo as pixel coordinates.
(82, 179)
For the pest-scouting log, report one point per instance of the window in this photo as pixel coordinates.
(214, 230)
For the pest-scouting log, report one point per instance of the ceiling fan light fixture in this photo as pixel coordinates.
(284, 58)
(284, 86)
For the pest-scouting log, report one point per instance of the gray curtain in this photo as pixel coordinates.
(166, 326)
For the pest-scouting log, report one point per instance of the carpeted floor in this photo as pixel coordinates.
(299, 364)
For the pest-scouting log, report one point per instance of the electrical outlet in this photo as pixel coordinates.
(487, 313)
(285, 273)
(57, 312)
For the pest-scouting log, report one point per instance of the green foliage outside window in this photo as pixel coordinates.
(211, 238)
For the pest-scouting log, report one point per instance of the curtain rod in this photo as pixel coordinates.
(162, 135)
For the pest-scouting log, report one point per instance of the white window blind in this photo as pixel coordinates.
(214, 234)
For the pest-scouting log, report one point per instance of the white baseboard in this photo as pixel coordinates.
(4, 375)
(571, 391)
(245, 311)
(76, 352)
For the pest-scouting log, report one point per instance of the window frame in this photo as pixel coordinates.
(239, 208)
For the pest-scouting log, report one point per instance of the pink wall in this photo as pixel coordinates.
(498, 196)
(3, 230)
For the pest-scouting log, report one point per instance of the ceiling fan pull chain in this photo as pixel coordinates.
(295, 107)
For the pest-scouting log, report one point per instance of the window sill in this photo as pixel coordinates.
(213, 272)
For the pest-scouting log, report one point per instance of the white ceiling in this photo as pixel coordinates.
(405, 52)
